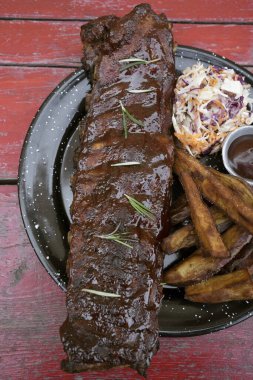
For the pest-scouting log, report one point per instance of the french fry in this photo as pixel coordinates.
(224, 288)
(198, 267)
(243, 260)
(237, 185)
(208, 236)
(185, 236)
(215, 191)
(180, 210)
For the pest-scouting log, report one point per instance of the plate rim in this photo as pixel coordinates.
(32, 239)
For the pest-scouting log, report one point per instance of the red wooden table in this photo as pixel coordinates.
(39, 46)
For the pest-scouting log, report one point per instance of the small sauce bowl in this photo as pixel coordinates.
(237, 153)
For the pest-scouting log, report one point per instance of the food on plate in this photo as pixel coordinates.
(185, 237)
(230, 201)
(198, 267)
(196, 271)
(179, 210)
(241, 261)
(223, 288)
(208, 235)
(209, 103)
(121, 194)
(237, 185)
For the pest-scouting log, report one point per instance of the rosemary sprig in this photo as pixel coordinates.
(125, 115)
(129, 163)
(133, 61)
(124, 120)
(131, 117)
(99, 293)
(140, 208)
(120, 238)
(140, 91)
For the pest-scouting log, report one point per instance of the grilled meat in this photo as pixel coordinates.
(120, 329)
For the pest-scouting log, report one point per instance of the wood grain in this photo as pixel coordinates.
(58, 43)
(196, 10)
(22, 90)
(33, 307)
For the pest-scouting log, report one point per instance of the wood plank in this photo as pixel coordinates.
(196, 10)
(53, 43)
(33, 308)
(22, 90)
(58, 43)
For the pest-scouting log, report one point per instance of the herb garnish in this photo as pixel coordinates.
(140, 208)
(140, 91)
(129, 163)
(121, 238)
(99, 293)
(125, 115)
(133, 61)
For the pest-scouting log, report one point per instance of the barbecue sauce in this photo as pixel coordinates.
(240, 155)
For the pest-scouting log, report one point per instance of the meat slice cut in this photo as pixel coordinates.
(119, 326)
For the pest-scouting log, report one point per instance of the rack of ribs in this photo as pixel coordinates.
(114, 291)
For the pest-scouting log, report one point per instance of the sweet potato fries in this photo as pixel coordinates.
(209, 238)
(233, 286)
(232, 252)
(216, 189)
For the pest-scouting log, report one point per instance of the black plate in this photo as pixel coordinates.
(45, 196)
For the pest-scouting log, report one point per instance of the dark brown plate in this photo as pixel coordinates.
(45, 196)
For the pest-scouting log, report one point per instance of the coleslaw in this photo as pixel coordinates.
(209, 103)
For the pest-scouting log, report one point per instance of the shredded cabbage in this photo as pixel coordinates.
(210, 102)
